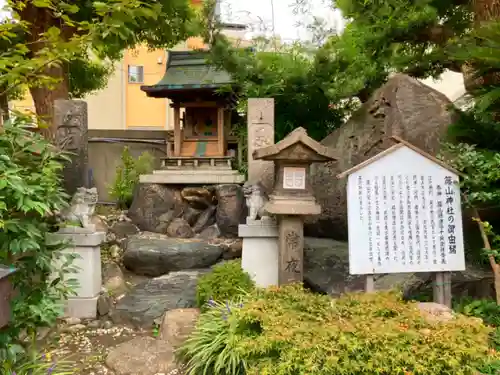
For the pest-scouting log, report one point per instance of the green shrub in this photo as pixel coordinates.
(127, 176)
(225, 282)
(289, 331)
(486, 309)
(30, 193)
(211, 348)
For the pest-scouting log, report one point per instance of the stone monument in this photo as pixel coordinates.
(292, 196)
(85, 243)
(71, 119)
(260, 239)
(260, 134)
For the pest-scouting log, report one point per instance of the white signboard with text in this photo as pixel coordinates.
(404, 215)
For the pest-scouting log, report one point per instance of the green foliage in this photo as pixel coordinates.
(413, 37)
(86, 76)
(285, 73)
(127, 176)
(65, 29)
(30, 193)
(36, 365)
(290, 331)
(486, 309)
(225, 282)
(211, 349)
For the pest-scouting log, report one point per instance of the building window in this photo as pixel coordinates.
(135, 74)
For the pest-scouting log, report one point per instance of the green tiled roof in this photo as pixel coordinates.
(188, 70)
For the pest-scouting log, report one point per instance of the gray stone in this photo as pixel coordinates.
(94, 324)
(180, 228)
(177, 325)
(210, 232)
(72, 321)
(260, 130)
(113, 279)
(150, 202)
(148, 301)
(206, 219)
(104, 304)
(326, 270)
(231, 209)
(191, 215)
(404, 107)
(123, 229)
(71, 120)
(142, 356)
(198, 197)
(155, 254)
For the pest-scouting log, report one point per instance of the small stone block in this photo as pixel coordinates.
(83, 308)
(257, 229)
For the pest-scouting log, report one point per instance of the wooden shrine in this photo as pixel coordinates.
(203, 150)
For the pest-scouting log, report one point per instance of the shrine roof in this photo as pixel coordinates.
(316, 151)
(188, 71)
(399, 143)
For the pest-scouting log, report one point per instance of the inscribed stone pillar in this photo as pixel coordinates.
(260, 134)
(71, 120)
(291, 249)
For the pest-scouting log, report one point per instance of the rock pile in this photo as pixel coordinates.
(188, 212)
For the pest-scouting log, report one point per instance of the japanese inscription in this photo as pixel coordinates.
(405, 219)
(294, 178)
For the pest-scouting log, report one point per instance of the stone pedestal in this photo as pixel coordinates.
(86, 244)
(260, 254)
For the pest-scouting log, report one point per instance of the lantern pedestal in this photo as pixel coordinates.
(87, 247)
(260, 251)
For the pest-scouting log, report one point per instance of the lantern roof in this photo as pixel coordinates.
(297, 146)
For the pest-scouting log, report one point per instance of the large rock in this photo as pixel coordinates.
(404, 107)
(150, 202)
(231, 209)
(148, 301)
(177, 325)
(326, 270)
(142, 356)
(123, 229)
(154, 254)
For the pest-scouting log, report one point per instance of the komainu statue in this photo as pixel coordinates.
(256, 199)
(81, 209)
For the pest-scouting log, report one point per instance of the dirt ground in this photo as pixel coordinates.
(88, 347)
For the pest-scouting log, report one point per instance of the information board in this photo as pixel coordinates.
(404, 216)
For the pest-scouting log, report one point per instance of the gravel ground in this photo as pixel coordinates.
(87, 346)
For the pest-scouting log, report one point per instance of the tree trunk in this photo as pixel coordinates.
(495, 267)
(44, 98)
(4, 106)
(40, 20)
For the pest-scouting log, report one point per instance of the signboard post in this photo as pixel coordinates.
(404, 215)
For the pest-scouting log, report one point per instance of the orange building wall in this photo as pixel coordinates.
(142, 111)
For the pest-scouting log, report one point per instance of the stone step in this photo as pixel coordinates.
(193, 177)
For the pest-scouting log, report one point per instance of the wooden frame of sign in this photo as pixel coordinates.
(404, 215)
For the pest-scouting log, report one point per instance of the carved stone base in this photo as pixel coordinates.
(260, 256)
(87, 248)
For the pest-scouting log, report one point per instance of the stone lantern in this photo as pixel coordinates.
(292, 196)
(6, 294)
